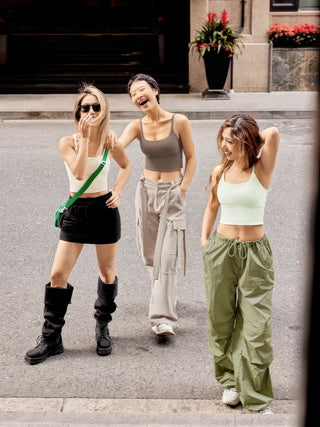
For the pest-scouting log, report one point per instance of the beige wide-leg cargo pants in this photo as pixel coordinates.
(160, 214)
(239, 282)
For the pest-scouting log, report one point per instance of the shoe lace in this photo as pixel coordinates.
(103, 332)
(40, 341)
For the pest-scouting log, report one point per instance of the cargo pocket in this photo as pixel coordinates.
(266, 255)
(139, 236)
(179, 226)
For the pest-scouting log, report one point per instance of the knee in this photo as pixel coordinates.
(58, 279)
(107, 274)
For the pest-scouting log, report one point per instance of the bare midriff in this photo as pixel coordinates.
(162, 176)
(244, 233)
(89, 195)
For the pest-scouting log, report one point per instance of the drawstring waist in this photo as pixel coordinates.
(236, 246)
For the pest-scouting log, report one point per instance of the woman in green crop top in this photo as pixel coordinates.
(160, 195)
(238, 265)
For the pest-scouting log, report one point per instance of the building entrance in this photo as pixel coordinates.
(54, 45)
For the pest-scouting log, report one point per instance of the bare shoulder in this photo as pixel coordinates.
(180, 119)
(134, 124)
(215, 174)
(65, 143)
(217, 170)
(134, 127)
(182, 126)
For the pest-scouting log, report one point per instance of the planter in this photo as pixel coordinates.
(295, 69)
(217, 67)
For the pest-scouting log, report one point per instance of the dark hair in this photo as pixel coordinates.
(146, 78)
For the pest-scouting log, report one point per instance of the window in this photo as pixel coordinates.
(309, 4)
(284, 5)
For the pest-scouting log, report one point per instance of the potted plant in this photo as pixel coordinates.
(305, 35)
(216, 43)
(294, 57)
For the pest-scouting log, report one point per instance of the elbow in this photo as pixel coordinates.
(275, 131)
(126, 169)
(274, 134)
(78, 176)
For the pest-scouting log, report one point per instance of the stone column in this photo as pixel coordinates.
(197, 74)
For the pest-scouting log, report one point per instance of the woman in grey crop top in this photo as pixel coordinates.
(238, 266)
(93, 218)
(160, 198)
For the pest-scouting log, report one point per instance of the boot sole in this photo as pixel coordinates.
(36, 360)
(103, 352)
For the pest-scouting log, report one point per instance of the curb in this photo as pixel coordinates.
(131, 115)
(155, 412)
(264, 105)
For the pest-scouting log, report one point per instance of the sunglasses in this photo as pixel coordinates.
(85, 108)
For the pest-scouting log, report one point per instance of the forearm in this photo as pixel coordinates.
(208, 221)
(122, 179)
(80, 162)
(188, 173)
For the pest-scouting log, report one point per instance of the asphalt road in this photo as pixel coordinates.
(34, 184)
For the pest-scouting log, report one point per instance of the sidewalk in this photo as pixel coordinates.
(147, 412)
(273, 105)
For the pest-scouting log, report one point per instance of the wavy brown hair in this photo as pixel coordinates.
(245, 131)
(104, 116)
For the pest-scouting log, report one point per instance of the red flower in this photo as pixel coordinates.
(211, 17)
(224, 17)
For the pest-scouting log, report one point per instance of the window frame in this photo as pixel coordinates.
(284, 5)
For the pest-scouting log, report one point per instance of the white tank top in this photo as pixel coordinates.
(100, 183)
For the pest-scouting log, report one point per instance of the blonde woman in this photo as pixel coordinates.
(93, 218)
(238, 264)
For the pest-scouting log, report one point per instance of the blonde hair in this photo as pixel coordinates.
(104, 115)
(245, 131)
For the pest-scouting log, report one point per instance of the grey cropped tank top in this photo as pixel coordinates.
(164, 154)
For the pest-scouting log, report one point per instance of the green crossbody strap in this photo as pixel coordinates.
(89, 180)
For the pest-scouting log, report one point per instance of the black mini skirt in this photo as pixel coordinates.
(89, 220)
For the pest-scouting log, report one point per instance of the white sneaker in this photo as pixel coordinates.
(267, 411)
(163, 329)
(231, 397)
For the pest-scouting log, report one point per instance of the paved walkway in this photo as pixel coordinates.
(265, 105)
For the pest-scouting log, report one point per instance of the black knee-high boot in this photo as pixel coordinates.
(104, 306)
(56, 301)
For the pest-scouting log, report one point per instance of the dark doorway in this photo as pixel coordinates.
(54, 45)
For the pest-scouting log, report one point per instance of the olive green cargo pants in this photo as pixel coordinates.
(239, 282)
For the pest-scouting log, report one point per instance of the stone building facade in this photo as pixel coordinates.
(252, 69)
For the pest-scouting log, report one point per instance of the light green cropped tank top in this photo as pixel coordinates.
(244, 203)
